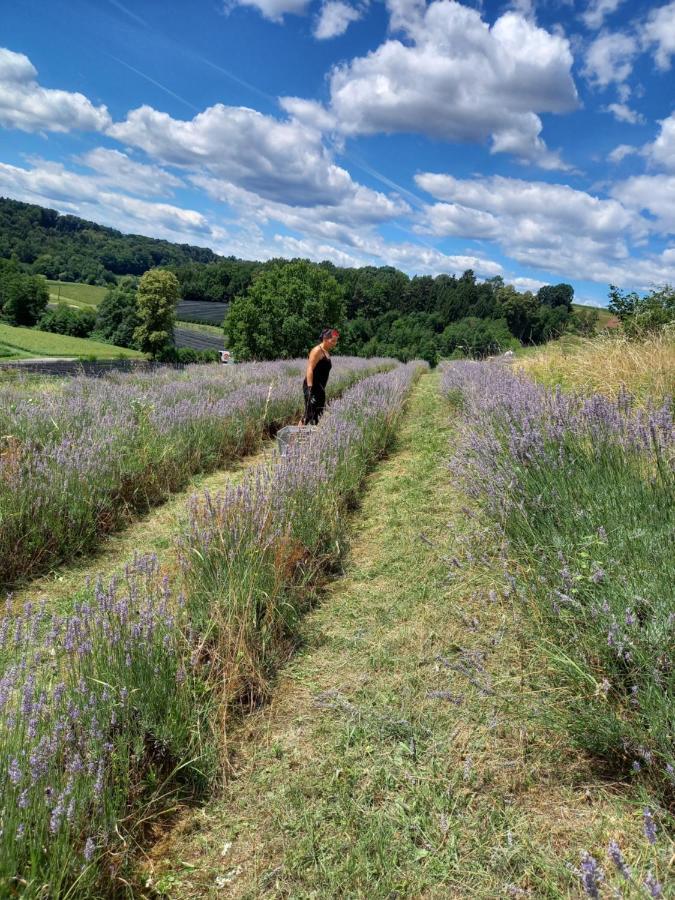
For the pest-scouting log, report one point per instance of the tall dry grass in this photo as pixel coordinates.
(606, 363)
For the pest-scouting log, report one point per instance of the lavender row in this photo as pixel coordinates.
(584, 488)
(77, 461)
(251, 550)
(109, 712)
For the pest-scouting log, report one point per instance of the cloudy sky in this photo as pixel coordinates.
(534, 139)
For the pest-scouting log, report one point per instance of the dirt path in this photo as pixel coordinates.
(403, 754)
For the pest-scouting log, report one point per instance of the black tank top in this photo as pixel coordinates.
(322, 371)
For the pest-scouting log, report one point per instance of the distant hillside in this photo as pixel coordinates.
(68, 248)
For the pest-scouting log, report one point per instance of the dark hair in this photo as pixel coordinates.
(329, 333)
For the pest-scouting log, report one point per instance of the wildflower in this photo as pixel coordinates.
(617, 858)
(15, 775)
(591, 875)
(89, 849)
(649, 825)
(652, 886)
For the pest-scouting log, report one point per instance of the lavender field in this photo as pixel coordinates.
(114, 710)
(511, 607)
(582, 488)
(77, 461)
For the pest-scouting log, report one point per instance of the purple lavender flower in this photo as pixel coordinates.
(591, 875)
(15, 774)
(653, 887)
(89, 849)
(617, 858)
(649, 825)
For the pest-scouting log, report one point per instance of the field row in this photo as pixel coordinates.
(76, 461)
(110, 712)
(584, 490)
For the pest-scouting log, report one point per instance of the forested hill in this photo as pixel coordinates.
(72, 249)
(381, 310)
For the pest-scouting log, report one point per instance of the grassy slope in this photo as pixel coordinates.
(605, 318)
(355, 781)
(43, 343)
(604, 364)
(75, 294)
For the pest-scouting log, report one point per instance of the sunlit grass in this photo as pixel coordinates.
(606, 364)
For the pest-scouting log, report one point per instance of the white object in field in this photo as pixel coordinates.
(509, 354)
(291, 435)
(226, 356)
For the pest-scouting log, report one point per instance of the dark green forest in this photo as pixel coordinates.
(277, 308)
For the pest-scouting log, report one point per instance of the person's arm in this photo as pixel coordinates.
(314, 357)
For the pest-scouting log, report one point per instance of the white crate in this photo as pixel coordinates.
(292, 435)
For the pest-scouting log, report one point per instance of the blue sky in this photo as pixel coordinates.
(533, 139)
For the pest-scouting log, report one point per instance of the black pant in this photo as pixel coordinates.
(315, 401)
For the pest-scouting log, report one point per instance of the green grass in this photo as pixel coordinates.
(28, 342)
(215, 330)
(605, 317)
(75, 294)
(361, 779)
(10, 353)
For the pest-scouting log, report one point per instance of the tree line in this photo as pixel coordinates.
(383, 312)
(278, 307)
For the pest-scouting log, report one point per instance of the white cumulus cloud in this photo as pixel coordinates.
(653, 193)
(280, 161)
(274, 10)
(659, 33)
(28, 106)
(623, 113)
(597, 11)
(335, 18)
(610, 58)
(621, 152)
(51, 184)
(551, 227)
(661, 152)
(118, 170)
(457, 78)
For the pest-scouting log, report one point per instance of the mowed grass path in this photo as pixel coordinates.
(403, 753)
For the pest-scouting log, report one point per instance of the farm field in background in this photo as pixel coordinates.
(76, 294)
(201, 312)
(30, 342)
(197, 339)
(606, 319)
(202, 328)
(86, 296)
